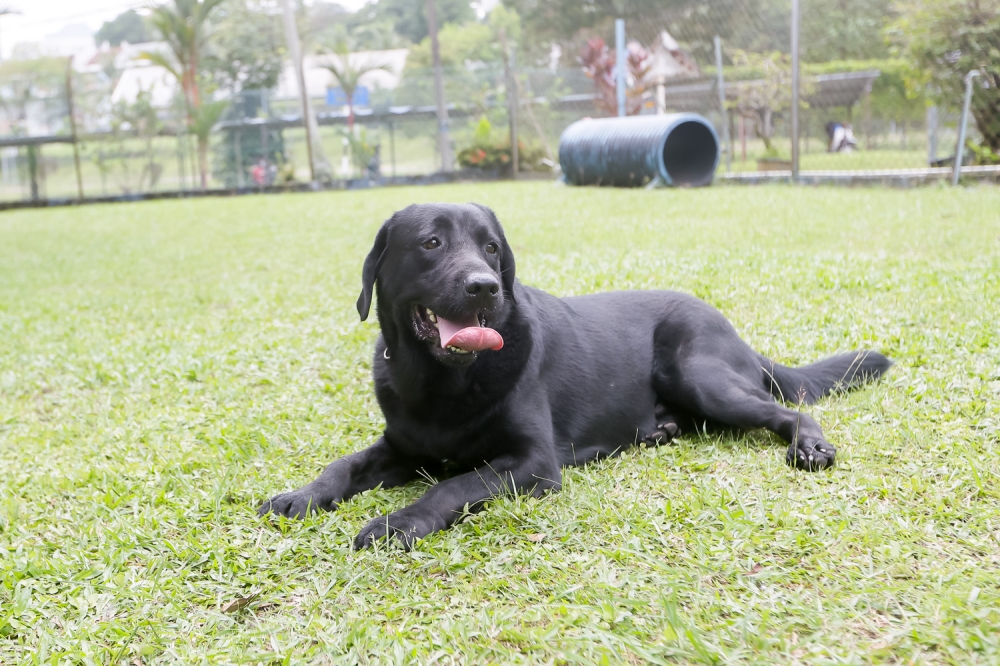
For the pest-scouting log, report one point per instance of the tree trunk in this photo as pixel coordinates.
(763, 127)
(444, 136)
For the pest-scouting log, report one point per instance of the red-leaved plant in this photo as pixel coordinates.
(599, 64)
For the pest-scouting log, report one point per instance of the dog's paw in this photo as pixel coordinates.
(664, 434)
(296, 504)
(399, 526)
(811, 454)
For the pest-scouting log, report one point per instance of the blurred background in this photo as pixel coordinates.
(106, 99)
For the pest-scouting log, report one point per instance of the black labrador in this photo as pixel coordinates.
(505, 384)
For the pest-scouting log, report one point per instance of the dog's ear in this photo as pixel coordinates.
(506, 254)
(507, 267)
(370, 271)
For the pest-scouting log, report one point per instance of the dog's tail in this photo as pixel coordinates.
(811, 382)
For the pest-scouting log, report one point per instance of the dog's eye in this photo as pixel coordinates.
(431, 244)
(491, 248)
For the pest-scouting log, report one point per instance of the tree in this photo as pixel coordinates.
(379, 36)
(183, 26)
(409, 17)
(348, 71)
(126, 27)
(138, 119)
(758, 101)
(944, 40)
(248, 47)
(245, 60)
(459, 44)
(831, 29)
(203, 119)
(844, 29)
(321, 23)
(571, 22)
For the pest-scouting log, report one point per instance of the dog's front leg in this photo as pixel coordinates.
(343, 478)
(445, 503)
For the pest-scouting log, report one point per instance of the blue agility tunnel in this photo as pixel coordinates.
(675, 149)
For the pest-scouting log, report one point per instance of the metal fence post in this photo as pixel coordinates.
(620, 64)
(72, 127)
(392, 145)
(795, 90)
(721, 86)
(444, 133)
(238, 155)
(960, 148)
(181, 163)
(510, 74)
(33, 170)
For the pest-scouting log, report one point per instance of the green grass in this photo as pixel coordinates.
(165, 366)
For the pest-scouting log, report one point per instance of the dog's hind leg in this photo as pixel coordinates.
(668, 426)
(717, 392)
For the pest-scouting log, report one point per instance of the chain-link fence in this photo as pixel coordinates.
(130, 134)
(134, 146)
(855, 115)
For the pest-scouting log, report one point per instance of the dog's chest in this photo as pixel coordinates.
(461, 429)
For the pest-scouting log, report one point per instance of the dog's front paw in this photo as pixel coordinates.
(402, 526)
(296, 504)
(811, 454)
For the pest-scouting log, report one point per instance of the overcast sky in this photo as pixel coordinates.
(39, 18)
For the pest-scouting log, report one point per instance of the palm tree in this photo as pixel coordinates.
(203, 119)
(182, 25)
(348, 73)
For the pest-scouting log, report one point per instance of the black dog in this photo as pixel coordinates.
(507, 383)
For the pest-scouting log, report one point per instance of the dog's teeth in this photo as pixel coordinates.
(432, 317)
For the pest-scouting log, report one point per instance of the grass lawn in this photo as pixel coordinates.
(165, 366)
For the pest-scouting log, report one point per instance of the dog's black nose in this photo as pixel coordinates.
(481, 284)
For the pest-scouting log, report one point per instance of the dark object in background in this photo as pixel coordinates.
(501, 384)
(841, 137)
(673, 149)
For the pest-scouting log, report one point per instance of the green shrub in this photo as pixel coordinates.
(491, 151)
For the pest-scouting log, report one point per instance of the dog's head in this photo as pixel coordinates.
(444, 273)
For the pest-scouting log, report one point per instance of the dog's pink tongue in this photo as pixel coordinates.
(468, 334)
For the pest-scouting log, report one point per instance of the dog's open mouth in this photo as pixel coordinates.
(466, 335)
